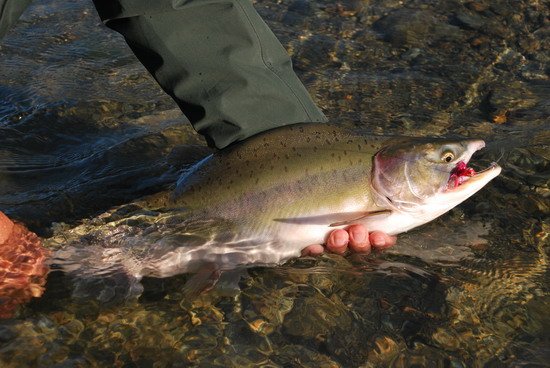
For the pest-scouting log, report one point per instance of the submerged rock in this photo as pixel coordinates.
(505, 99)
(406, 27)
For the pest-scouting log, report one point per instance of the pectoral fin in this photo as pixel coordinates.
(333, 219)
(365, 214)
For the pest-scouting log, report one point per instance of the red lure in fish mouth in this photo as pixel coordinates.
(459, 175)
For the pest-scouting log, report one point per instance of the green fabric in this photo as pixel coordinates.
(10, 10)
(218, 60)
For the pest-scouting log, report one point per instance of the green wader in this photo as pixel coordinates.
(218, 60)
(10, 10)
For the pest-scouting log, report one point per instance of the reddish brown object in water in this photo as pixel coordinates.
(22, 266)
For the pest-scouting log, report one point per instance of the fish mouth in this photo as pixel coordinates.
(462, 175)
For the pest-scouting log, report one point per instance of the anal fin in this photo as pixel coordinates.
(209, 277)
(204, 279)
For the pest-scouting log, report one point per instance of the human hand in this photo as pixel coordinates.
(356, 238)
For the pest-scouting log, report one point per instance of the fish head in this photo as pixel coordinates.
(428, 178)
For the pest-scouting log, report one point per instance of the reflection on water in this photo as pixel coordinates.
(83, 129)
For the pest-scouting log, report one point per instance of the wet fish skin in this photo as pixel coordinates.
(280, 174)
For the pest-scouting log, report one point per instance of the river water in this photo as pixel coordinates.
(84, 128)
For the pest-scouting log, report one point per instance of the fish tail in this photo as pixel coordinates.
(100, 274)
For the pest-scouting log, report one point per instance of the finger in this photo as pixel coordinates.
(313, 250)
(381, 240)
(337, 241)
(358, 239)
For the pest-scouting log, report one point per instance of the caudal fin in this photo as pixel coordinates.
(97, 274)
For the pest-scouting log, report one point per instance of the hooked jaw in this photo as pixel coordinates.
(462, 172)
(464, 181)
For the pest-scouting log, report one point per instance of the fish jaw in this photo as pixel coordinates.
(452, 197)
(463, 182)
(467, 188)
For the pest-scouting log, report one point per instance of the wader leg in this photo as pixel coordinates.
(218, 60)
(10, 10)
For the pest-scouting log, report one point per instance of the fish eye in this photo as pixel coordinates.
(447, 156)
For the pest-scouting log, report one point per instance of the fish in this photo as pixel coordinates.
(262, 201)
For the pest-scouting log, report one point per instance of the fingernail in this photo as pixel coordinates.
(340, 239)
(379, 241)
(360, 237)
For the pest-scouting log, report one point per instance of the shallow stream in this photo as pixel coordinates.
(84, 128)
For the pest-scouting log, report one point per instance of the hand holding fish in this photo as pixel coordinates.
(356, 238)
